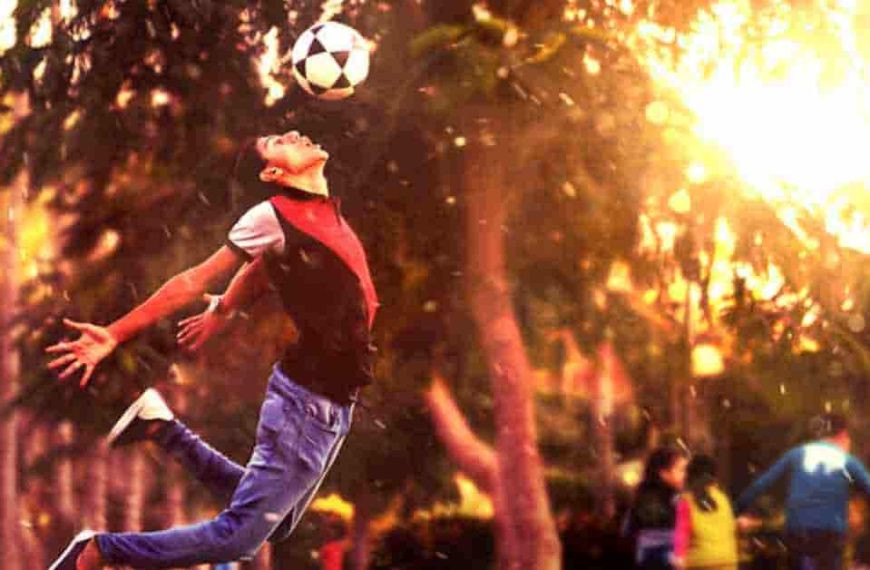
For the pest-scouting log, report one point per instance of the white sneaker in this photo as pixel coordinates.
(134, 422)
(67, 559)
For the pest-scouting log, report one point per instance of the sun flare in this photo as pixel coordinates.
(780, 96)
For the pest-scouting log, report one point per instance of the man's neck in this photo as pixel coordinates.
(312, 181)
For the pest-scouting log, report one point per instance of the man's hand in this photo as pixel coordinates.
(196, 330)
(747, 523)
(95, 344)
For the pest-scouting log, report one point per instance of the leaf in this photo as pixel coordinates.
(437, 38)
(493, 29)
(548, 49)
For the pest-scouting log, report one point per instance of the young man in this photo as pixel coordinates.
(298, 241)
(821, 474)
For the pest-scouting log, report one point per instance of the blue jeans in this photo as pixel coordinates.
(298, 438)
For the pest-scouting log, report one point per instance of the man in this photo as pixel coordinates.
(298, 241)
(821, 474)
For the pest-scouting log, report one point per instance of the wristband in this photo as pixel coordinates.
(216, 306)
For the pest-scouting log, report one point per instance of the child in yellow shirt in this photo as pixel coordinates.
(706, 530)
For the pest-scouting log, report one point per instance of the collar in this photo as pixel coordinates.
(300, 194)
(305, 196)
(308, 192)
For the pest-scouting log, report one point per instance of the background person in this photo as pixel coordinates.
(652, 518)
(706, 528)
(821, 475)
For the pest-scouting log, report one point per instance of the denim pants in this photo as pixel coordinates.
(298, 438)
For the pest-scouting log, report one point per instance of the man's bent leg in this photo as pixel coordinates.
(219, 474)
(288, 525)
(293, 443)
(268, 491)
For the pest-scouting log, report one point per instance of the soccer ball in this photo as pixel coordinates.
(330, 60)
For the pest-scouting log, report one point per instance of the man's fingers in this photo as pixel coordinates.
(59, 347)
(70, 369)
(197, 344)
(58, 362)
(189, 320)
(74, 324)
(187, 340)
(83, 327)
(187, 332)
(84, 381)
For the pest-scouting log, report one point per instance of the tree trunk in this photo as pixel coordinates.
(175, 515)
(361, 549)
(696, 425)
(486, 184)
(64, 481)
(10, 365)
(31, 548)
(134, 490)
(603, 405)
(94, 500)
(477, 460)
(175, 476)
(34, 444)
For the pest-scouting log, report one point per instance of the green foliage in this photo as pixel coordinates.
(437, 38)
(443, 544)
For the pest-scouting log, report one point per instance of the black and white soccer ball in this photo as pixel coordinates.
(330, 60)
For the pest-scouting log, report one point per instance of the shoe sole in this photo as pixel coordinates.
(126, 419)
(85, 535)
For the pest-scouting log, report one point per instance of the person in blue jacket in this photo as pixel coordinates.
(821, 475)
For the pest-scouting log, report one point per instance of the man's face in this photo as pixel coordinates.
(291, 152)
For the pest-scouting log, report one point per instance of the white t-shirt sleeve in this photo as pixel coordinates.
(258, 231)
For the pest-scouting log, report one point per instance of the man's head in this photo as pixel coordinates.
(268, 164)
(289, 154)
(833, 428)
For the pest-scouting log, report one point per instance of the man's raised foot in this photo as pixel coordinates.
(141, 420)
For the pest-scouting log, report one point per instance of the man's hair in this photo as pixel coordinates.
(829, 425)
(246, 188)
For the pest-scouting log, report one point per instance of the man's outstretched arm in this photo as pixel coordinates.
(766, 480)
(249, 284)
(184, 288)
(95, 342)
(859, 475)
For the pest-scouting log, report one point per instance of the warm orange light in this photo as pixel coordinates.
(707, 361)
(619, 280)
(333, 504)
(472, 502)
(783, 98)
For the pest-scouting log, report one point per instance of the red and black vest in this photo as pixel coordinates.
(324, 283)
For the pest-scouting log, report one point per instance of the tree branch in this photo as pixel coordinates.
(473, 456)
